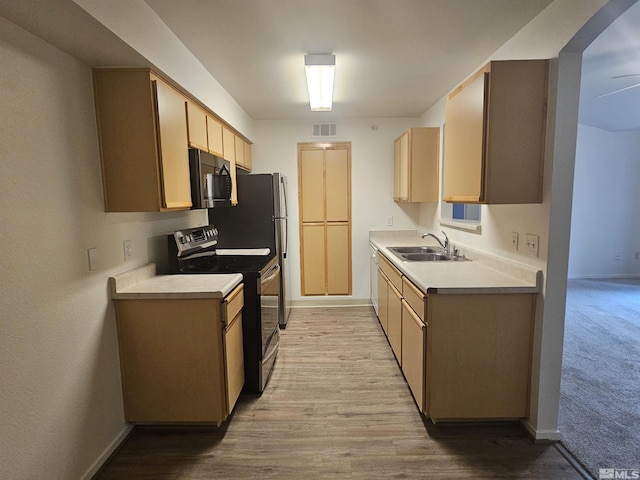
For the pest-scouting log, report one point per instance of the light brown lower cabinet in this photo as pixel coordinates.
(414, 334)
(394, 329)
(464, 356)
(181, 360)
(383, 292)
(479, 356)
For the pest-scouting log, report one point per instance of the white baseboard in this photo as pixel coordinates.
(541, 435)
(108, 452)
(604, 277)
(327, 302)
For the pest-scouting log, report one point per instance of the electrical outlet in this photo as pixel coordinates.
(389, 221)
(128, 249)
(514, 241)
(532, 244)
(92, 253)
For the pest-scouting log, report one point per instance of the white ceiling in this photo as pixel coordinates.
(394, 58)
(612, 63)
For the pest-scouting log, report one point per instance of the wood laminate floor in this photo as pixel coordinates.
(336, 406)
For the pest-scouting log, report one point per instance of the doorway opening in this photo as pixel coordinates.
(600, 384)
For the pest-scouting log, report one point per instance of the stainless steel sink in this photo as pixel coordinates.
(426, 257)
(418, 249)
(421, 253)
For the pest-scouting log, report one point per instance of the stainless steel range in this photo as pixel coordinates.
(195, 251)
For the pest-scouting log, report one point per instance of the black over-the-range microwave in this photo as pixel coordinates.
(211, 182)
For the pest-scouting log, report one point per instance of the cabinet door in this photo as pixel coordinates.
(401, 168)
(313, 258)
(413, 352)
(338, 271)
(464, 142)
(197, 127)
(214, 135)
(423, 164)
(229, 149)
(337, 185)
(311, 175)
(239, 151)
(394, 331)
(174, 154)
(396, 169)
(383, 302)
(234, 361)
(248, 158)
(229, 145)
(125, 106)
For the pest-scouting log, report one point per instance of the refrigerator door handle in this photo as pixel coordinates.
(285, 247)
(283, 180)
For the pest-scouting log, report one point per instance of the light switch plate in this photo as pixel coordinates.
(93, 258)
(532, 244)
(514, 241)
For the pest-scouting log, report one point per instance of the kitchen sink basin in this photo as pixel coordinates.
(425, 257)
(421, 253)
(418, 249)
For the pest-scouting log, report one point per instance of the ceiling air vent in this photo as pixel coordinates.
(324, 130)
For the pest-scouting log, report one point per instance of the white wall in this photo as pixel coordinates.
(606, 208)
(275, 149)
(139, 26)
(60, 397)
(544, 37)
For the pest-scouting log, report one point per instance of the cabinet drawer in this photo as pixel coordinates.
(232, 305)
(394, 275)
(413, 296)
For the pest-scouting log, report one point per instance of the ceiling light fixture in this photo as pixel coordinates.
(320, 71)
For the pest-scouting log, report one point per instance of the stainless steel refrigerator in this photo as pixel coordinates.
(258, 221)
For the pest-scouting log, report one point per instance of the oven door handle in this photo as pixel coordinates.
(270, 276)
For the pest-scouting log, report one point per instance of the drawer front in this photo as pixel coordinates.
(232, 305)
(414, 297)
(391, 272)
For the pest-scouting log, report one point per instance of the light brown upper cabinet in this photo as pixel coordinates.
(142, 131)
(214, 135)
(495, 134)
(197, 126)
(324, 181)
(228, 145)
(248, 157)
(415, 162)
(237, 149)
(205, 130)
(229, 153)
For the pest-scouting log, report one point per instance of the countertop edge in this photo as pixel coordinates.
(166, 295)
(143, 283)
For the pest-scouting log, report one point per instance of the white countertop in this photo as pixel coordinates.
(484, 273)
(143, 283)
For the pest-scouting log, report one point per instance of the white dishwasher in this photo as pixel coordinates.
(373, 267)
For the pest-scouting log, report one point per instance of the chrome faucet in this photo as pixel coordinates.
(444, 245)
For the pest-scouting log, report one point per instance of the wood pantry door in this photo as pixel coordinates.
(324, 198)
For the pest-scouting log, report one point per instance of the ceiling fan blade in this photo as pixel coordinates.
(620, 90)
(627, 75)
